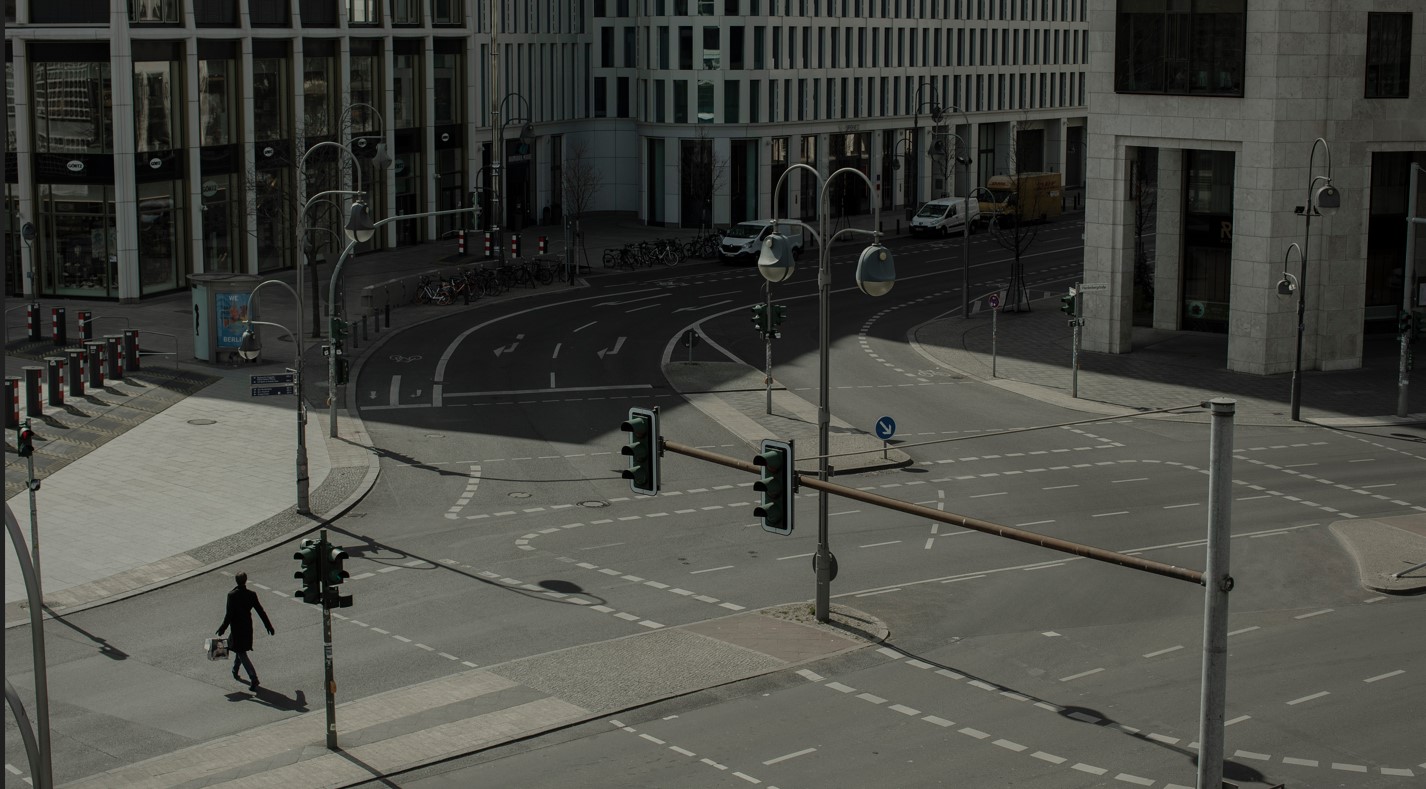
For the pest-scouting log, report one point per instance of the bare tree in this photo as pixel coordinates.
(703, 174)
(581, 181)
(1012, 226)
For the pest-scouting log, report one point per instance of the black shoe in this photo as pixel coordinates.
(255, 683)
(236, 678)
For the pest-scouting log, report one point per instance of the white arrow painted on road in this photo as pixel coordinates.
(619, 343)
(704, 306)
(511, 346)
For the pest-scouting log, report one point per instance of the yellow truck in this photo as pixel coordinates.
(1036, 197)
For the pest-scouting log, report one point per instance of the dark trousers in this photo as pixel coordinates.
(241, 659)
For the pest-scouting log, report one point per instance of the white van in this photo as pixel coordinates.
(743, 242)
(944, 216)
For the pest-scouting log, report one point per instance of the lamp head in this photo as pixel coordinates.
(775, 261)
(1326, 199)
(527, 133)
(1285, 287)
(359, 225)
(248, 346)
(876, 270)
(938, 114)
(382, 159)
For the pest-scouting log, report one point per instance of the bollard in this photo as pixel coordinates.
(355, 335)
(131, 350)
(489, 244)
(12, 414)
(363, 328)
(94, 353)
(514, 245)
(58, 329)
(76, 371)
(54, 379)
(460, 243)
(34, 401)
(387, 310)
(113, 357)
(86, 325)
(32, 321)
(542, 244)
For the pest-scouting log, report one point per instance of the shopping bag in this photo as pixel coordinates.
(217, 648)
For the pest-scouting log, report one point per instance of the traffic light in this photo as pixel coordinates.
(779, 314)
(1069, 303)
(339, 329)
(309, 553)
(760, 318)
(25, 442)
(778, 483)
(1403, 323)
(642, 449)
(333, 573)
(344, 369)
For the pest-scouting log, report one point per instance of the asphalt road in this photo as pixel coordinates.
(1006, 664)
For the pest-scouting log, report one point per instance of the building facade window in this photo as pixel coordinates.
(269, 13)
(449, 88)
(215, 13)
(164, 12)
(73, 106)
(319, 89)
(446, 12)
(1180, 47)
(318, 13)
(1388, 56)
(78, 240)
(364, 12)
(217, 101)
(405, 12)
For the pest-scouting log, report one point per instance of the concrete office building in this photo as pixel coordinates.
(1204, 117)
(152, 139)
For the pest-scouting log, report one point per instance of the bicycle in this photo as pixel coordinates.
(428, 292)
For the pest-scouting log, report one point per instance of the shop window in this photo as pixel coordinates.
(78, 243)
(156, 126)
(1180, 46)
(1388, 56)
(217, 100)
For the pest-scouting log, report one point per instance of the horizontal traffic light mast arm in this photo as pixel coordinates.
(964, 521)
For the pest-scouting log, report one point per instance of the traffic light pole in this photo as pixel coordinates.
(330, 683)
(767, 343)
(1409, 284)
(33, 485)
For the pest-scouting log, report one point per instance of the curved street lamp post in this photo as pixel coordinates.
(249, 348)
(1323, 200)
(876, 274)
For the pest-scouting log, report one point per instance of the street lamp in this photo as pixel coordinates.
(876, 273)
(915, 197)
(1323, 200)
(497, 159)
(359, 230)
(1408, 282)
(249, 347)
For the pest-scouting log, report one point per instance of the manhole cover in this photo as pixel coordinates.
(594, 504)
(202, 421)
(519, 494)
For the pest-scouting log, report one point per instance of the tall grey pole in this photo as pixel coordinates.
(497, 152)
(1403, 372)
(965, 258)
(33, 485)
(1296, 398)
(823, 556)
(332, 314)
(44, 774)
(1217, 584)
(767, 343)
(329, 689)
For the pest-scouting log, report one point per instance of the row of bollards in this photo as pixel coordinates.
(97, 360)
(58, 325)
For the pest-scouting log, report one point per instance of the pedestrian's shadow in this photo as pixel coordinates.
(271, 698)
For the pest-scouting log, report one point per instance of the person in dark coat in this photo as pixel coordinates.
(242, 601)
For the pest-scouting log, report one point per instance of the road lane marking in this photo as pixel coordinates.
(879, 544)
(1314, 613)
(1164, 651)
(1319, 694)
(711, 569)
(1238, 719)
(1081, 674)
(1384, 676)
(1244, 630)
(792, 755)
(395, 392)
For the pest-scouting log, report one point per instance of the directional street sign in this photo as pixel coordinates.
(885, 428)
(1090, 287)
(267, 380)
(268, 391)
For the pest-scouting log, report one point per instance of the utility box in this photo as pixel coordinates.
(220, 314)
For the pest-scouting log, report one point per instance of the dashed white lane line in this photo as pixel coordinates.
(1385, 676)
(1081, 674)
(792, 755)
(1164, 651)
(1314, 613)
(656, 584)
(1319, 694)
(704, 760)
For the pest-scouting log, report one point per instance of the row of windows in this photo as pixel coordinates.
(1016, 10)
(779, 100)
(536, 16)
(798, 47)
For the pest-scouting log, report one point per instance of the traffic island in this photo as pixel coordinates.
(1385, 550)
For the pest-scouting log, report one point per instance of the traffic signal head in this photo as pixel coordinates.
(1068, 303)
(779, 314)
(338, 329)
(344, 369)
(333, 573)
(1404, 322)
(25, 442)
(778, 483)
(309, 553)
(760, 318)
(642, 450)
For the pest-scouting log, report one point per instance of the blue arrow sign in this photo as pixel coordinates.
(267, 391)
(885, 428)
